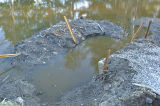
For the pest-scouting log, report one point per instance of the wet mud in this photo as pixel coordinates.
(132, 77)
(45, 45)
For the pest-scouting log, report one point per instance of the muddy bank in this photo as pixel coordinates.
(132, 79)
(18, 92)
(135, 69)
(56, 39)
(41, 47)
(155, 28)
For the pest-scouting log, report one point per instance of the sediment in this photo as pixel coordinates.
(56, 39)
(132, 77)
(41, 47)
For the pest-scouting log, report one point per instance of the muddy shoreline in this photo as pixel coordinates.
(44, 45)
(56, 39)
(124, 82)
(132, 77)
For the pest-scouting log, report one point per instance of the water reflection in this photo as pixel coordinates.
(23, 18)
(4, 44)
(19, 19)
(92, 49)
(54, 79)
(80, 5)
(64, 72)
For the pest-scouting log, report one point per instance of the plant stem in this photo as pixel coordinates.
(135, 34)
(147, 32)
(107, 59)
(73, 37)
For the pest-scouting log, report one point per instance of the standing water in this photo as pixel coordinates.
(19, 19)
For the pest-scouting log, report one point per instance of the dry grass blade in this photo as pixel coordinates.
(147, 32)
(9, 55)
(73, 37)
(107, 59)
(135, 34)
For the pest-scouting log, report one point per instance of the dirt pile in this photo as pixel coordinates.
(132, 79)
(56, 39)
(44, 45)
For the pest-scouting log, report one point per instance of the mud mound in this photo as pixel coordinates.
(56, 39)
(132, 79)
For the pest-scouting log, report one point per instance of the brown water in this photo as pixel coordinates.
(77, 67)
(21, 18)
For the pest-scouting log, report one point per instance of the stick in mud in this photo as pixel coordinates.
(107, 59)
(147, 32)
(9, 55)
(134, 36)
(73, 37)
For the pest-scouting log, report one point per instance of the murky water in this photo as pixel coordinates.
(73, 69)
(21, 18)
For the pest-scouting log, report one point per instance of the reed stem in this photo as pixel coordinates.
(147, 32)
(107, 59)
(8, 55)
(135, 34)
(73, 37)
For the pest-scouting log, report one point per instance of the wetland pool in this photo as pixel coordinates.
(20, 19)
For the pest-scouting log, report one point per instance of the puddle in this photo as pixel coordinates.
(4, 43)
(20, 19)
(55, 79)
(65, 72)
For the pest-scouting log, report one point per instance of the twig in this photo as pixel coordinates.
(134, 36)
(100, 27)
(147, 32)
(9, 55)
(73, 37)
(107, 59)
